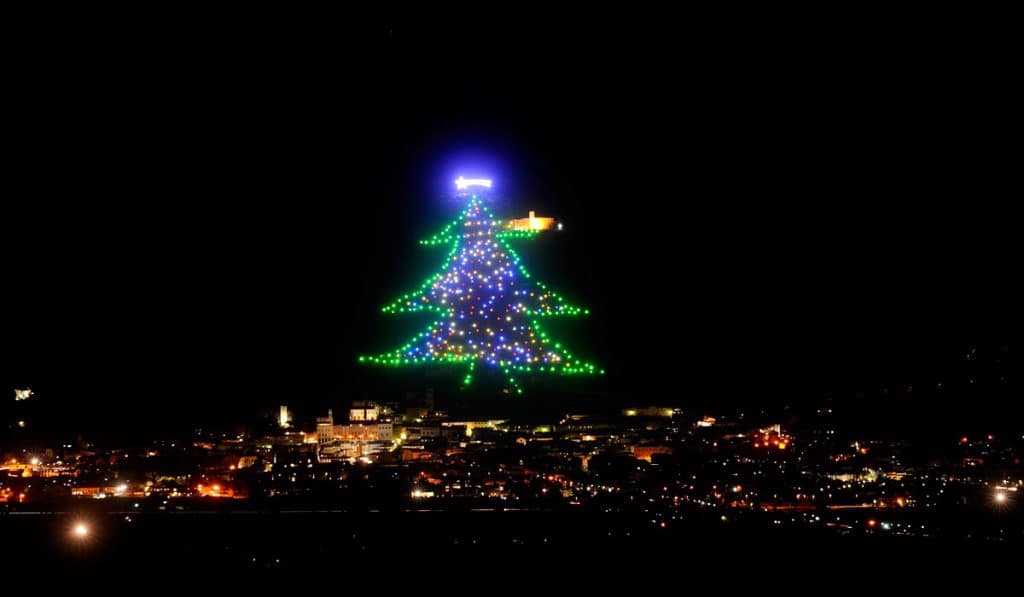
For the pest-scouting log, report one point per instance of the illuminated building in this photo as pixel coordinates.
(470, 426)
(284, 418)
(363, 411)
(374, 447)
(351, 440)
(24, 394)
(355, 431)
(652, 411)
(530, 224)
(385, 431)
(325, 427)
(107, 491)
(646, 452)
(416, 412)
(219, 489)
(772, 438)
(419, 493)
(344, 449)
(419, 432)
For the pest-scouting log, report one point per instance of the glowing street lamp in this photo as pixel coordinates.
(80, 530)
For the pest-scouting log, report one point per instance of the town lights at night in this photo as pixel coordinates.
(494, 325)
(462, 183)
(1004, 493)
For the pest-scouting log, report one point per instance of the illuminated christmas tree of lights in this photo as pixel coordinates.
(489, 307)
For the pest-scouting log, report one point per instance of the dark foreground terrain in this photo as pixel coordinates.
(518, 548)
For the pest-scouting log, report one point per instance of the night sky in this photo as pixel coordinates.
(200, 226)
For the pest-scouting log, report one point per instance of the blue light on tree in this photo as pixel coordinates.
(488, 306)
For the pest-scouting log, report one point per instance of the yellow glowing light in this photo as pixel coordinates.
(530, 223)
(81, 530)
(1001, 497)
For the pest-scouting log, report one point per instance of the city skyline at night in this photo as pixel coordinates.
(654, 301)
